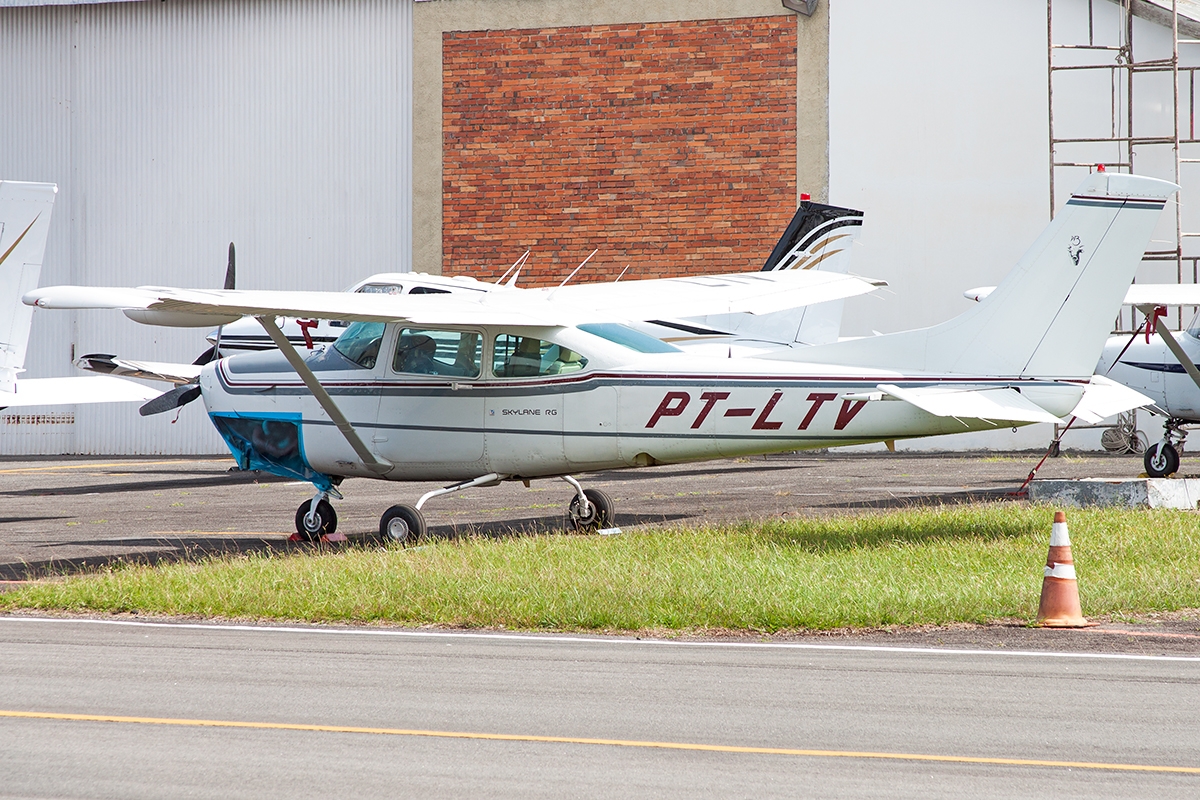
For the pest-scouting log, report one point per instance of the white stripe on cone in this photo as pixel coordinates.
(1061, 571)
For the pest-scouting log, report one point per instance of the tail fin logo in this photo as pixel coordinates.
(1075, 249)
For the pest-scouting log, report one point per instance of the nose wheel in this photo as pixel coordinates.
(1162, 457)
(315, 520)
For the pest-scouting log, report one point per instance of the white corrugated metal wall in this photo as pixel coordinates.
(173, 128)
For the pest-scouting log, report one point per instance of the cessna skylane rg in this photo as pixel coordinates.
(25, 210)
(528, 385)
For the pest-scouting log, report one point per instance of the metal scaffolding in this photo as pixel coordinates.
(1119, 58)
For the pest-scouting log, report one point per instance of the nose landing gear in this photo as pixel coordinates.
(1162, 457)
(316, 518)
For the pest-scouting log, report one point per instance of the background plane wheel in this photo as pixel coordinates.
(1161, 459)
(326, 521)
(600, 508)
(402, 525)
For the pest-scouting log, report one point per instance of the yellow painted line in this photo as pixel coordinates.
(105, 466)
(515, 737)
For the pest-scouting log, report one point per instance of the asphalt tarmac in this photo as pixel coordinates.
(60, 515)
(126, 709)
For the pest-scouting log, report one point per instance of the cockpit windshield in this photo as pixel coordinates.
(1193, 328)
(360, 343)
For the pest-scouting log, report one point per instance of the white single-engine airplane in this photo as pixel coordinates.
(25, 210)
(518, 386)
(1165, 370)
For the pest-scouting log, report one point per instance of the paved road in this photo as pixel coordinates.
(58, 514)
(498, 697)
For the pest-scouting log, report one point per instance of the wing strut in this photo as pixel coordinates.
(1174, 346)
(373, 462)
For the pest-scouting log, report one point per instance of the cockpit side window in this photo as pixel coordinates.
(360, 343)
(431, 352)
(528, 357)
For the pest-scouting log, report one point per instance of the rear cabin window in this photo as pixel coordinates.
(360, 343)
(381, 288)
(528, 357)
(431, 352)
(628, 337)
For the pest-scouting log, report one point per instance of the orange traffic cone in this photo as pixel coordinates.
(1059, 606)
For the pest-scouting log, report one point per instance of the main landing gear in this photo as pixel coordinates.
(591, 511)
(1162, 457)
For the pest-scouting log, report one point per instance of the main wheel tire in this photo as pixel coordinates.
(600, 512)
(1161, 459)
(402, 525)
(325, 522)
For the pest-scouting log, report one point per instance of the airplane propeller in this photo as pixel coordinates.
(182, 395)
(213, 353)
(175, 398)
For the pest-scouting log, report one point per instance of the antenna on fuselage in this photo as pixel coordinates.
(572, 275)
(517, 266)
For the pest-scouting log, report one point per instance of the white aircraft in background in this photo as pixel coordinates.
(25, 210)
(527, 385)
(1162, 369)
(819, 237)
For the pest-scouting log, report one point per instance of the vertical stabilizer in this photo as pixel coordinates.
(24, 223)
(1051, 314)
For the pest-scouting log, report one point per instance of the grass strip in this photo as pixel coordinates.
(910, 567)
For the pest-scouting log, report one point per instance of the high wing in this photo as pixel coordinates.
(1163, 294)
(754, 293)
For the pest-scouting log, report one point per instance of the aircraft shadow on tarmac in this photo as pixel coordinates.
(171, 549)
(929, 500)
(114, 487)
(4, 520)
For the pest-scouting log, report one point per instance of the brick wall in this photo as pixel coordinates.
(671, 147)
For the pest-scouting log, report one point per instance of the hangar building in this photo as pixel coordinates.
(331, 140)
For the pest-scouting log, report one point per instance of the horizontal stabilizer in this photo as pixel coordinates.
(75, 391)
(999, 404)
(1105, 397)
(148, 370)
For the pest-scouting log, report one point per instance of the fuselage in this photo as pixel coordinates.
(1152, 369)
(533, 402)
